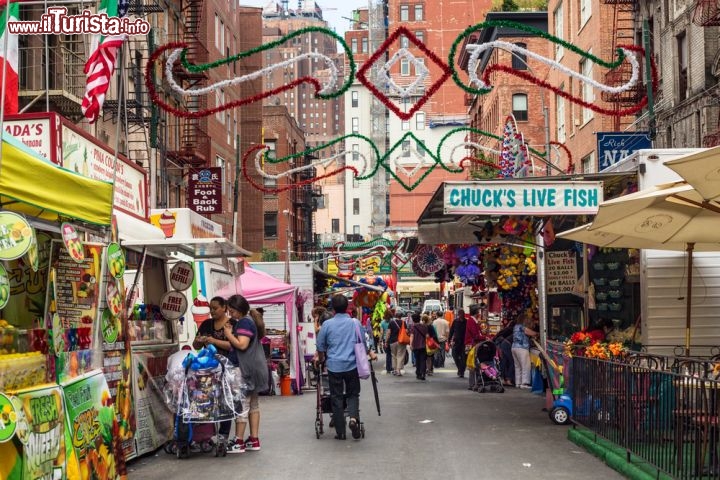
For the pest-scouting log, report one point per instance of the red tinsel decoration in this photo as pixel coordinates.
(364, 70)
(542, 83)
(210, 111)
(289, 186)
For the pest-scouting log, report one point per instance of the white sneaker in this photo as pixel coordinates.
(237, 447)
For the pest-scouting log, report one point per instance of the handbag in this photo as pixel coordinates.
(403, 337)
(361, 357)
(431, 346)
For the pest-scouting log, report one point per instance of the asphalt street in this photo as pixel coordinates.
(435, 429)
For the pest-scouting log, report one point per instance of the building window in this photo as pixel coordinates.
(404, 67)
(404, 41)
(355, 98)
(355, 125)
(405, 125)
(406, 148)
(519, 59)
(217, 29)
(335, 225)
(220, 162)
(420, 36)
(271, 224)
(353, 45)
(588, 95)
(420, 147)
(356, 229)
(404, 13)
(418, 13)
(418, 68)
(356, 206)
(560, 117)
(585, 11)
(520, 107)
(682, 59)
(559, 31)
(586, 163)
(364, 45)
(420, 121)
(356, 152)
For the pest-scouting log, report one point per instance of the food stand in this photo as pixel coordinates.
(160, 279)
(53, 242)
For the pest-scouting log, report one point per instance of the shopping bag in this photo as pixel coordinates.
(470, 362)
(361, 357)
(403, 337)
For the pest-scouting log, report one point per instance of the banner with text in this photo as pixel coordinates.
(561, 272)
(614, 147)
(93, 428)
(526, 198)
(205, 190)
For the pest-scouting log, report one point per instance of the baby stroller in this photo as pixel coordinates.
(324, 402)
(487, 370)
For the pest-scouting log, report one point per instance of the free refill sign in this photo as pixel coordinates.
(522, 197)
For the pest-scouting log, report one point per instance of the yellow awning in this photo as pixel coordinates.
(31, 185)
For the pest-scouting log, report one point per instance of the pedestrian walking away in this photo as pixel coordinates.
(336, 347)
(457, 338)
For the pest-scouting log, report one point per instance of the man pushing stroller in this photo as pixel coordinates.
(336, 346)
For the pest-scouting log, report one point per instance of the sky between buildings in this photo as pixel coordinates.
(333, 10)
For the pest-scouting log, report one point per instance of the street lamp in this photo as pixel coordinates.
(288, 234)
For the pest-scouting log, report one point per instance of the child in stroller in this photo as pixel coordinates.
(487, 374)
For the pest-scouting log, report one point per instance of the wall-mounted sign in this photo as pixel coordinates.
(8, 418)
(16, 236)
(561, 272)
(72, 242)
(115, 260)
(522, 197)
(614, 147)
(4, 287)
(205, 190)
(113, 297)
(181, 276)
(36, 133)
(173, 305)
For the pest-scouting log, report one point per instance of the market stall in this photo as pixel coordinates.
(54, 231)
(262, 289)
(160, 282)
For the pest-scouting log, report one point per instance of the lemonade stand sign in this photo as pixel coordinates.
(16, 236)
(4, 287)
(115, 260)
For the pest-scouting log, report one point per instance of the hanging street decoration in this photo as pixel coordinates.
(514, 157)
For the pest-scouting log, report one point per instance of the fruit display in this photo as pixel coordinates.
(8, 338)
(22, 370)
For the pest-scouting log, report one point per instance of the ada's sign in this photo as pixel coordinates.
(522, 197)
(614, 147)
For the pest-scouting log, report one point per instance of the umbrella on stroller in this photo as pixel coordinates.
(665, 217)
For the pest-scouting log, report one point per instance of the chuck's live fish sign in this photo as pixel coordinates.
(511, 197)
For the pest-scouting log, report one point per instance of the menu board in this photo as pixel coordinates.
(154, 419)
(561, 272)
(77, 285)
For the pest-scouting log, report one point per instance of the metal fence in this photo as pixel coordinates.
(662, 410)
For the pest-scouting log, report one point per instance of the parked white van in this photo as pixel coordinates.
(430, 306)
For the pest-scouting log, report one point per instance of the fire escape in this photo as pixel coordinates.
(706, 13)
(134, 109)
(51, 76)
(624, 33)
(192, 145)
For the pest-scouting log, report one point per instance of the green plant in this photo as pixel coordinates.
(269, 255)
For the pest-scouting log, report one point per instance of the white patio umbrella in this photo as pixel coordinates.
(700, 170)
(665, 217)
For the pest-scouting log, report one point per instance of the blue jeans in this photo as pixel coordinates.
(344, 385)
